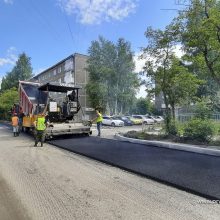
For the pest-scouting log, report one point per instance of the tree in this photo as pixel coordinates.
(126, 80)
(21, 71)
(159, 53)
(112, 83)
(198, 30)
(170, 75)
(8, 98)
(143, 106)
(183, 85)
(101, 64)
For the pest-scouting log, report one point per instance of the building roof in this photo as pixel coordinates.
(52, 67)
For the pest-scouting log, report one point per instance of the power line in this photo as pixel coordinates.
(49, 24)
(70, 31)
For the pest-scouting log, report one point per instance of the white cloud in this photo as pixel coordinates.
(139, 63)
(10, 58)
(8, 1)
(97, 11)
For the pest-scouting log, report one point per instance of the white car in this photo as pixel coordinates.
(145, 119)
(159, 119)
(156, 119)
(107, 120)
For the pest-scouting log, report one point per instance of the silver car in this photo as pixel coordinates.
(145, 119)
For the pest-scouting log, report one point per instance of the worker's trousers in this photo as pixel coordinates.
(99, 125)
(39, 137)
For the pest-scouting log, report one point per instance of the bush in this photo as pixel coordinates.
(199, 130)
(217, 127)
(202, 110)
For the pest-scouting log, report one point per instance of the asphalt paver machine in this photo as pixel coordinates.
(60, 104)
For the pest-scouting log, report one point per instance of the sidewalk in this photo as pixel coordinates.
(211, 150)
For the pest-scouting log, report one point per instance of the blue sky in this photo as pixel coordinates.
(50, 30)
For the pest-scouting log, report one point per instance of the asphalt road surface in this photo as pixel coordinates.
(53, 184)
(189, 171)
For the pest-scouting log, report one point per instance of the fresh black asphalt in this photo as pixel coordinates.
(195, 173)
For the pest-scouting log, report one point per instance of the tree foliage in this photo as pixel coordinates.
(169, 73)
(112, 85)
(8, 98)
(143, 106)
(198, 30)
(21, 71)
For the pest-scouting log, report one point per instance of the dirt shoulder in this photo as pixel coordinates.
(10, 206)
(54, 184)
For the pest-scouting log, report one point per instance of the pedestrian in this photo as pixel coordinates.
(40, 127)
(98, 120)
(15, 123)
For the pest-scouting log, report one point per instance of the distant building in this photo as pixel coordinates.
(70, 71)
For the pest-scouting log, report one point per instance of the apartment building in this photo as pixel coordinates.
(70, 71)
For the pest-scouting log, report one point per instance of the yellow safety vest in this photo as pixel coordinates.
(41, 124)
(99, 119)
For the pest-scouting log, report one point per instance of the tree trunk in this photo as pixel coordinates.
(116, 106)
(107, 109)
(121, 111)
(116, 100)
(167, 114)
(173, 112)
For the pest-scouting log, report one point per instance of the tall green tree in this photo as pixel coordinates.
(112, 85)
(21, 71)
(198, 30)
(158, 55)
(170, 75)
(8, 98)
(126, 80)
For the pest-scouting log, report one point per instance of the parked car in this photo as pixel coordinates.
(135, 121)
(108, 120)
(127, 121)
(145, 119)
(155, 118)
(159, 119)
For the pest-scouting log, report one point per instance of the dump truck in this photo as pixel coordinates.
(60, 104)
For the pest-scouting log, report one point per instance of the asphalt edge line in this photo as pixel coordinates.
(156, 179)
(181, 147)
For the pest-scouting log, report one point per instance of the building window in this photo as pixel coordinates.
(68, 65)
(59, 69)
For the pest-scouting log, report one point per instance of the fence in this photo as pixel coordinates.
(188, 116)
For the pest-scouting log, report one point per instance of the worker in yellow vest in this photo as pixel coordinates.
(98, 120)
(15, 123)
(40, 127)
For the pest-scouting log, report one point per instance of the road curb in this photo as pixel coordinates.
(182, 147)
